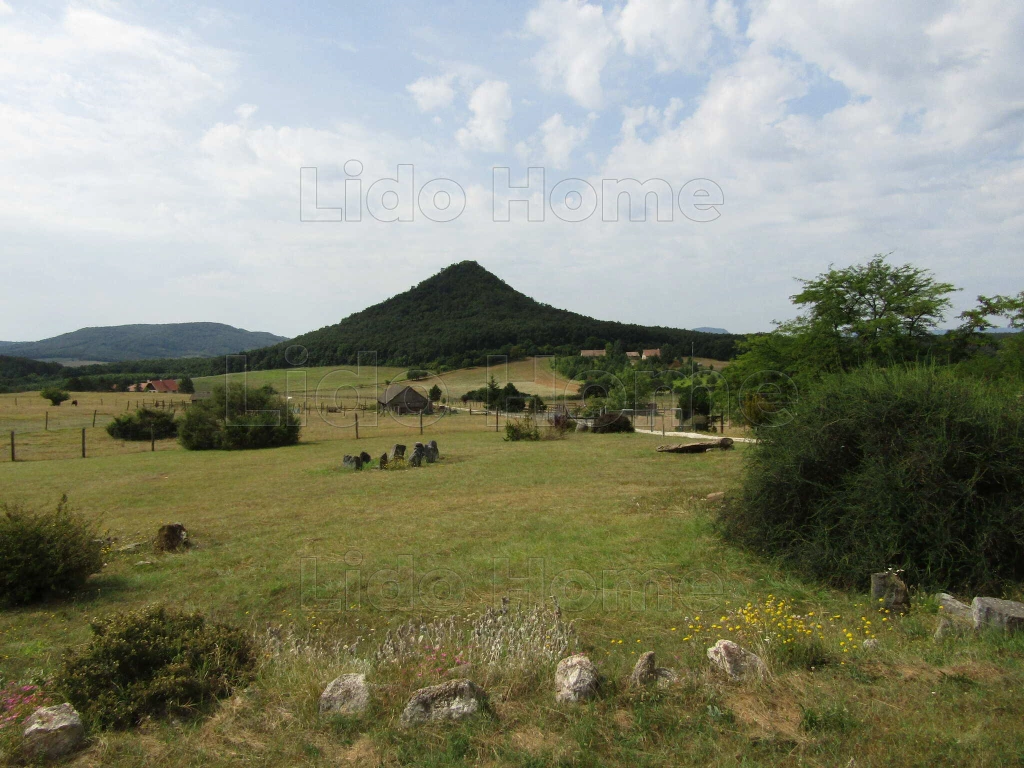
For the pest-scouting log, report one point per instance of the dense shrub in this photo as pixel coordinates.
(907, 467)
(154, 662)
(521, 429)
(55, 395)
(611, 422)
(142, 424)
(45, 554)
(237, 417)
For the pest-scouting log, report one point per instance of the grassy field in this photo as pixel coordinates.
(619, 533)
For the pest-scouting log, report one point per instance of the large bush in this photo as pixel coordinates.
(45, 554)
(612, 422)
(154, 662)
(55, 395)
(143, 424)
(236, 417)
(908, 467)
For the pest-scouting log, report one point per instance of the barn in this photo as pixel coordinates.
(401, 398)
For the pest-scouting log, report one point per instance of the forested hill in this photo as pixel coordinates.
(136, 342)
(464, 313)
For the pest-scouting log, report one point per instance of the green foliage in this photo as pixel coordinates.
(154, 662)
(186, 386)
(434, 394)
(238, 417)
(55, 395)
(462, 315)
(906, 467)
(142, 425)
(611, 422)
(521, 429)
(45, 554)
(415, 374)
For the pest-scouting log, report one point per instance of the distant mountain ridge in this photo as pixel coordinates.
(116, 343)
(464, 313)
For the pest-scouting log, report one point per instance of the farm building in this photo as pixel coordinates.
(649, 353)
(592, 353)
(165, 386)
(401, 398)
(633, 355)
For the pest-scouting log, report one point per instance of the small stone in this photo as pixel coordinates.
(946, 628)
(346, 695)
(365, 457)
(735, 661)
(643, 671)
(172, 538)
(430, 452)
(144, 562)
(383, 463)
(888, 592)
(716, 496)
(665, 677)
(576, 679)
(397, 452)
(1007, 615)
(352, 462)
(454, 700)
(53, 732)
(582, 426)
(871, 644)
(416, 457)
(129, 548)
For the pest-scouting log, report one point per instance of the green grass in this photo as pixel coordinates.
(587, 507)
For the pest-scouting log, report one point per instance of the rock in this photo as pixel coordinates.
(716, 496)
(1007, 615)
(144, 562)
(643, 671)
(576, 679)
(665, 677)
(416, 457)
(736, 662)
(346, 695)
(53, 732)
(397, 452)
(454, 700)
(946, 628)
(129, 548)
(871, 644)
(888, 592)
(582, 426)
(383, 463)
(172, 537)
(950, 606)
(365, 457)
(352, 462)
(431, 453)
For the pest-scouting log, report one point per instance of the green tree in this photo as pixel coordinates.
(186, 386)
(238, 417)
(434, 394)
(55, 395)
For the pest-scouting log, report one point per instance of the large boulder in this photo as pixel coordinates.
(1007, 615)
(172, 538)
(416, 457)
(582, 426)
(576, 679)
(888, 592)
(346, 695)
(352, 462)
(52, 732)
(454, 700)
(365, 457)
(950, 606)
(397, 452)
(738, 663)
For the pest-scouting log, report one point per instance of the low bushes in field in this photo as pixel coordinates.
(45, 554)
(611, 422)
(154, 662)
(521, 429)
(144, 424)
(238, 417)
(906, 467)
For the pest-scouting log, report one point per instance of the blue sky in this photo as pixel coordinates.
(150, 153)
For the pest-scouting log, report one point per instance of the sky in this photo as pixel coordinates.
(151, 155)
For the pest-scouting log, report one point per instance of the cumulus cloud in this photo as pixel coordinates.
(432, 93)
(675, 33)
(578, 42)
(554, 142)
(491, 106)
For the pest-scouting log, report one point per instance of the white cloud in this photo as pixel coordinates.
(432, 93)
(5, 8)
(492, 109)
(675, 33)
(577, 44)
(554, 143)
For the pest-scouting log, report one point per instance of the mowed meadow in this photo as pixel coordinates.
(314, 560)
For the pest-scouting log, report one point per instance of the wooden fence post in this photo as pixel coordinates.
(421, 422)
(94, 418)
(46, 426)
(12, 445)
(83, 442)
(496, 414)
(357, 426)
(152, 440)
